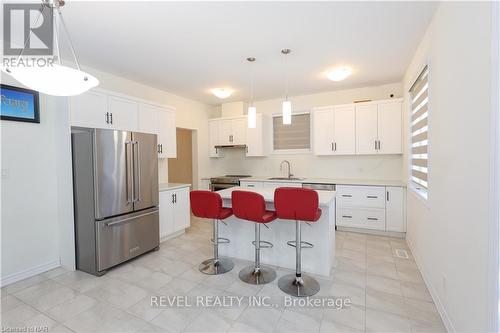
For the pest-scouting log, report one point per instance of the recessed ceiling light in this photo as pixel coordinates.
(222, 92)
(339, 73)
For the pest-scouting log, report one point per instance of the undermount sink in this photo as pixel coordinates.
(284, 178)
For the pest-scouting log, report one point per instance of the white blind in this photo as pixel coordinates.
(297, 135)
(419, 97)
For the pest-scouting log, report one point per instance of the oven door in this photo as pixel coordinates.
(217, 187)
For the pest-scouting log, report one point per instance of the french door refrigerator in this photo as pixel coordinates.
(115, 193)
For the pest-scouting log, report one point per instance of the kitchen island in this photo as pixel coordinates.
(241, 233)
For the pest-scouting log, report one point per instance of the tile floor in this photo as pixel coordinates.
(387, 293)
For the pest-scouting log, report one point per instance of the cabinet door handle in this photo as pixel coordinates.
(387, 195)
(335, 146)
(371, 196)
(372, 218)
(173, 200)
(158, 149)
(161, 148)
(175, 196)
(250, 185)
(378, 144)
(347, 216)
(107, 117)
(111, 118)
(332, 146)
(347, 195)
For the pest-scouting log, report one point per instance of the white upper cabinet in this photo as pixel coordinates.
(323, 125)
(366, 129)
(234, 131)
(102, 109)
(344, 131)
(389, 128)
(239, 131)
(167, 136)
(89, 110)
(123, 113)
(160, 121)
(378, 128)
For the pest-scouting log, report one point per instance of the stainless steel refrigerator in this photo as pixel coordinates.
(115, 193)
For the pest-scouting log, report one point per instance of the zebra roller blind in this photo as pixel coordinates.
(419, 99)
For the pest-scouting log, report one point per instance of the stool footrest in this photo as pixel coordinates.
(264, 244)
(303, 245)
(220, 240)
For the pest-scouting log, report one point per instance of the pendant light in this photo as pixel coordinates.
(252, 110)
(286, 109)
(56, 79)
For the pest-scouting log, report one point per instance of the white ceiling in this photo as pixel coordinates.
(187, 48)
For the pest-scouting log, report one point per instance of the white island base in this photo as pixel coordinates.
(317, 260)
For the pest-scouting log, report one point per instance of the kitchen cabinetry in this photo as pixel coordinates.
(161, 121)
(371, 207)
(123, 113)
(101, 109)
(334, 130)
(234, 132)
(378, 128)
(89, 110)
(174, 211)
(395, 209)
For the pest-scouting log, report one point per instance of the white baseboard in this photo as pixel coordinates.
(373, 232)
(437, 301)
(29, 273)
(172, 235)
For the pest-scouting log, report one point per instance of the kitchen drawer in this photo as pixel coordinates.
(252, 184)
(361, 196)
(361, 218)
(125, 237)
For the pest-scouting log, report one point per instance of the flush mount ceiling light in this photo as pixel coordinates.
(252, 110)
(55, 79)
(286, 108)
(339, 73)
(222, 92)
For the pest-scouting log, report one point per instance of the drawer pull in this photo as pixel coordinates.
(372, 218)
(250, 185)
(371, 196)
(347, 216)
(347, 195)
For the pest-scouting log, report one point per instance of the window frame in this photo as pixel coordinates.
(292, 151)
(420, 192)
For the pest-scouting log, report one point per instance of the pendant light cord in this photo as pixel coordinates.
(68, 38)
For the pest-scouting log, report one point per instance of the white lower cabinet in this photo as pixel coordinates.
(395, 209)
(371, 207)
(174, 211)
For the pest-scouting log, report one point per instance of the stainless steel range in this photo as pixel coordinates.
(227, 181)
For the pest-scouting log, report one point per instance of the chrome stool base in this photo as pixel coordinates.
(263, 276)
(211, 267)
(298, 287)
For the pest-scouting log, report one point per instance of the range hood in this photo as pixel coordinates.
(231, 146)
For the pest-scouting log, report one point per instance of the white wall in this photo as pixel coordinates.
(448, 234)
(361, 167)
(36, 188)
(30, 197)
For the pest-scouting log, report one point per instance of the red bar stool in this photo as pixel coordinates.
(299, 204)
(251, 206)
(208, 205)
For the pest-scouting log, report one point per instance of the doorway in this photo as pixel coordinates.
(180, 169)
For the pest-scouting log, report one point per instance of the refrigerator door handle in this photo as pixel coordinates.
(137, 172)
(110, 224)
(128, 171)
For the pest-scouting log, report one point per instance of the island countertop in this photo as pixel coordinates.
(325, 197)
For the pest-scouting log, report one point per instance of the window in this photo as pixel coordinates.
(419, 101)
(296, 136)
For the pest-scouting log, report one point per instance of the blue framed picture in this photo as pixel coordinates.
(19, 104)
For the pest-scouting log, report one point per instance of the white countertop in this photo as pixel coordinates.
(325, 197)
(171, 186)
(337, 181)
